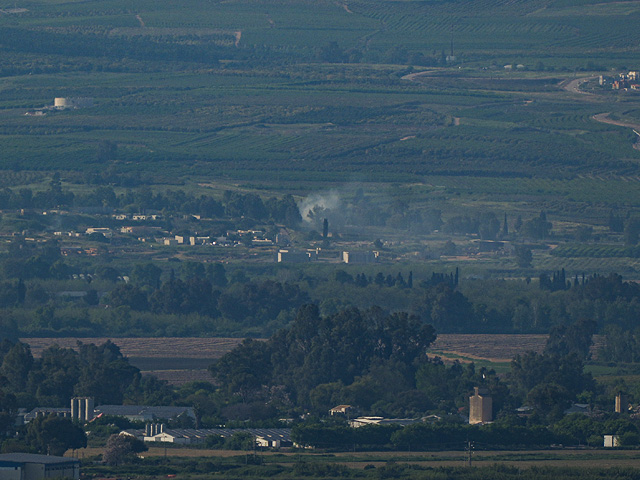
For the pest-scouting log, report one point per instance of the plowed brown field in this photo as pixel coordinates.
(183, 359)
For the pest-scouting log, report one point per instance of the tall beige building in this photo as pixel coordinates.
(480, 406)
(622, 403)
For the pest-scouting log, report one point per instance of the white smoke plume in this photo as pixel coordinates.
(319, 201)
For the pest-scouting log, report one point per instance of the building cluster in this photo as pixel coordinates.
(83, 410)
(624, 81)
(480, 413)
(137, 217)
(62, 103)
(304, 256)
(185, 240)
(263, 437)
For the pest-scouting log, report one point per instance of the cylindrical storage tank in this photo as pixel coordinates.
(75, 413)
(89, 408)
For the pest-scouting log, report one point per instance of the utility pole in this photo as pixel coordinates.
(469, 453)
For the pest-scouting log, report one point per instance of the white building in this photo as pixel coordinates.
(62, 103)
(360, 257)
(611, 441)
(103, 230)
(291, 256)
(363, 421)
(264, 437)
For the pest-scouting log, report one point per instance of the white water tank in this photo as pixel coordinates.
(61, 102)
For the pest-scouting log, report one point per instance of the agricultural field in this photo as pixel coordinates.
(180, 360)
(498, 348)
(184, 359)
(360, 460)
(457, 107)
(177, 360)
(493, 348)
(245, 90)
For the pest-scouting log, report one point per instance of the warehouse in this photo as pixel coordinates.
(27, 466)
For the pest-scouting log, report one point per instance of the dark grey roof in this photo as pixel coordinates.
(50, 410)
(283, 434)
(33, 458)
(141, 410)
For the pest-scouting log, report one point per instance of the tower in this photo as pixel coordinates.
(622, 403)
(480, 406)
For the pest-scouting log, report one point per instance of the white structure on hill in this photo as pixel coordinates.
(62, 103)
(360, 257)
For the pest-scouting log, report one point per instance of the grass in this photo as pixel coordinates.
(499, 367)
(527, 458)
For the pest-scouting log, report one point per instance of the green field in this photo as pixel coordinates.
(226, 88)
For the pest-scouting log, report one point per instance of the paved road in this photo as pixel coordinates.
(604, 118)
(574, 85)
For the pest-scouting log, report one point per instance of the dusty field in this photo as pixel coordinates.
(495, 348)
(190, 351)
(177, 360)
(173, 347)
(180, 377)
(184, 359)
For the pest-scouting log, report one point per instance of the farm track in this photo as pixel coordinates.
(604, 118)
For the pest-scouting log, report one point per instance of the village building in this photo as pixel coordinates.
(264, 437)
(26, 417)
(403, 422)
(103, 230)
(342, 410)
(611, 441)
(292, 256)
(360, 257)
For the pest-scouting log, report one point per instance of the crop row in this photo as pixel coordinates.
(598, 251)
